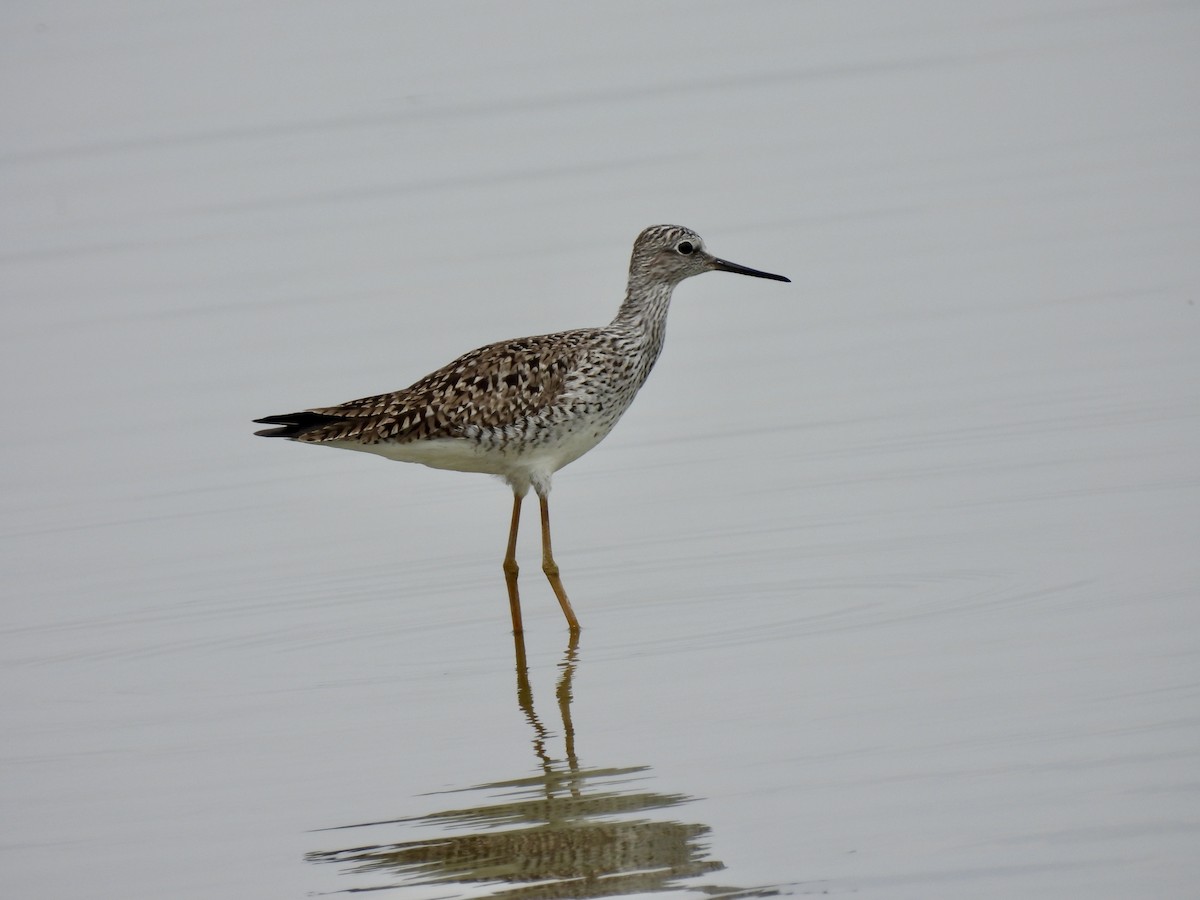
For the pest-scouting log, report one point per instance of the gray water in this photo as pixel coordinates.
(888, 579)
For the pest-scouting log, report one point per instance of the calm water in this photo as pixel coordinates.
(888, 579)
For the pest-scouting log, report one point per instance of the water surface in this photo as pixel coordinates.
(888, 578)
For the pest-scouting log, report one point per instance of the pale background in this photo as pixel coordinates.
(890, 573)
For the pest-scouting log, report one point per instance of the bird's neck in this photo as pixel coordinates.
(640, 327)
(644, 311)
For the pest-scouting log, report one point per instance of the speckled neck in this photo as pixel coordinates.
(645, 310)
(640, 328)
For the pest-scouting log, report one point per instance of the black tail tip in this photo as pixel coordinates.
(272, 432)
(293, 424)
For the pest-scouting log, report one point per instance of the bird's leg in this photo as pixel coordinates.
(510, 565)
(550, 567)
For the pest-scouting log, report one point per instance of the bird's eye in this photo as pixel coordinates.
(685, 247)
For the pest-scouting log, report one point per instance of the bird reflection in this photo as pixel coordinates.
(567, 831)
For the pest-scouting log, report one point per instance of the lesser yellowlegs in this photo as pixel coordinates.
(524, 408)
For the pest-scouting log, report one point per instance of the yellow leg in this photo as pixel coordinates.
(550, 567)
(511, 568)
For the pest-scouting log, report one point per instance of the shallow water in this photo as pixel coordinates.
(888, 579)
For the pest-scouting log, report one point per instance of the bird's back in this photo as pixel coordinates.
(552, 395)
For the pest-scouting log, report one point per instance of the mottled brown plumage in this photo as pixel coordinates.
(493, 387)
(526, 407)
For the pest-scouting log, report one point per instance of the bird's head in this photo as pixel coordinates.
(670, 253)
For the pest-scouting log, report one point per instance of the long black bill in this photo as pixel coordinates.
(722, 265)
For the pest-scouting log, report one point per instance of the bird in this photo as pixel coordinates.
(523, 408)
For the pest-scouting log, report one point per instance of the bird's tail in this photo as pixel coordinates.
(292, 425)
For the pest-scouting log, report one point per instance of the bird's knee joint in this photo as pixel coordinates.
(551, 569)
(510, 567)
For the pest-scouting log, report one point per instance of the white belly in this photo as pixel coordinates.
(520, 462)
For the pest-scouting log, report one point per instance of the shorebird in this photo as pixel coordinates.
(524, 408)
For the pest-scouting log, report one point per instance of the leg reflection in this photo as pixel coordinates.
(562, 830)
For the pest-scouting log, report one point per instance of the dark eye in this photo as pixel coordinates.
(684, 247)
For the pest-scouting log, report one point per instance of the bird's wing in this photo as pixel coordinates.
(496, 386)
